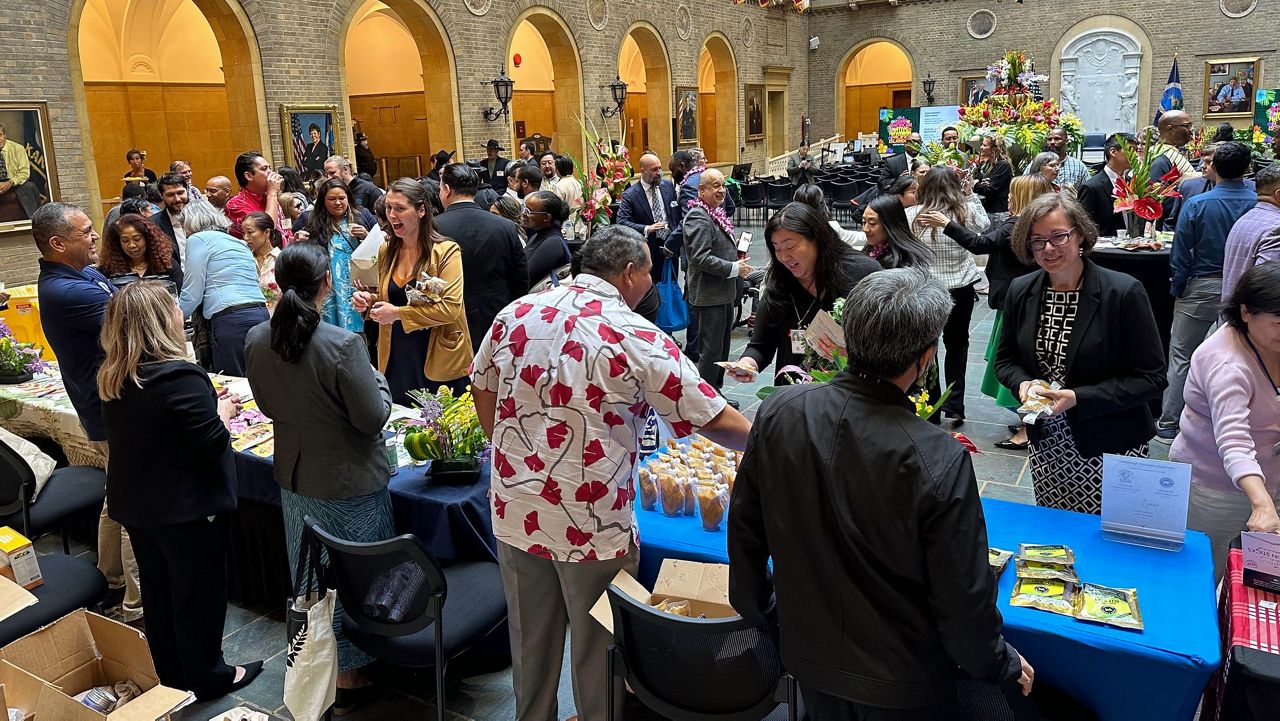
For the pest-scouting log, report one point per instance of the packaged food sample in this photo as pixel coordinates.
(1046, 594)
(1035, 405)
(674, 607)
(998, 558)
(671, 493)
(1112, 606)
(648, 490)
(690, 498)
(713, 502)
(1027, 568)
(1047, 553)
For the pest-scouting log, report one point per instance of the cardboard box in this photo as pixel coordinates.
(18, 561)
(17, 691)
(82, 650)
(704, 585)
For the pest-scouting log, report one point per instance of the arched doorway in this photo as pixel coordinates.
(547, 97)
(643, 66)
(718, 100)
(178, 79)
(874, 74)
(399, 82)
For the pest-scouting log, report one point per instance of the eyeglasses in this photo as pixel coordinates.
(526, 212)
(1037, 244)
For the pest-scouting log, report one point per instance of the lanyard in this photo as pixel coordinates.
(1261, 365)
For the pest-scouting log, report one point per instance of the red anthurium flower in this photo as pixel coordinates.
(1171, 176)
(1147, 208)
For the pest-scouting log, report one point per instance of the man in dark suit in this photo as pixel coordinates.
(646, 206)
(900, 163)
(173, 189)
(493, 262)
(1097, 194)
(495, 166)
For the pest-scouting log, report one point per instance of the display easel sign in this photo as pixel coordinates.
(1144, 501)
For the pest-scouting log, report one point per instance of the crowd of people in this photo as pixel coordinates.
(555, 337)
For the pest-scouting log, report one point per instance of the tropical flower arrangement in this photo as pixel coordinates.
(448, 432)
(1013, 74)
(1273, 119)
(900, 130)
(1022, 122)
(1141, 193)
(600, 190)
(935, 153)
(18, 358)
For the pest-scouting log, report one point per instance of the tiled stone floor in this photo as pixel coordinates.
(252, 634)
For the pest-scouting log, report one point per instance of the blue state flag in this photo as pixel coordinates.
(1172, 97)
(35, 154)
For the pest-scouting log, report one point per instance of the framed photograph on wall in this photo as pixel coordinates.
(1229, 86)
(29, 177)
(753, 111)
(310, 133)
(686, 115)
(974, 89)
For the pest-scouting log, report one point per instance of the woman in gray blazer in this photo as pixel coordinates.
(713, 273)
(329, 405)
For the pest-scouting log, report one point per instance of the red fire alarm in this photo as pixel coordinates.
(515, 59)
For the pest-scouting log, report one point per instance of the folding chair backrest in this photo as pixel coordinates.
(14, 475)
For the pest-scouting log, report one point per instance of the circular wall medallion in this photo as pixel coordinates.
(479, 7)
(981, 24)
(1237, 8)
(598, 13)
(684, 22)
(748, 32)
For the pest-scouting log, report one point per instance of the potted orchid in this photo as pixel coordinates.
(448, 434)
(19, 362)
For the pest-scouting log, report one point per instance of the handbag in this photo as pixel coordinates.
(673, 314)
(311, 664)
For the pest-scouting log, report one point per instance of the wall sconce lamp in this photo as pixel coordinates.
(929, 84)
(618, 90)
(502, 87)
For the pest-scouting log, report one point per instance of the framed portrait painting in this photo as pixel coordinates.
(686, 115)
(310, 133)
(1229, 86)
(753, 111)
(29, 178)
(974, 89)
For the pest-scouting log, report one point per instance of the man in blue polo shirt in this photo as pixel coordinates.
(1195, 264)
(73, 296)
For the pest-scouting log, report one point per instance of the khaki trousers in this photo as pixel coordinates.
(115, 555)
(1222, 515)
(544, 598)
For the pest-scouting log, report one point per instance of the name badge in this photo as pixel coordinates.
(674, 203)
(502, 173)
(797, 341)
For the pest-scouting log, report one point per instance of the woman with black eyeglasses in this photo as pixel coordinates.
(545, 248)
(1091, 331)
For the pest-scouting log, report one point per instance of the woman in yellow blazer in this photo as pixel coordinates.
(423, 344)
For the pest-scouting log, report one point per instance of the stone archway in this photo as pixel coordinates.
(564, 105)
(858, 103)
(172, 127)
(643, 64)
(1098, 60)
(718, 112)
(407, 115)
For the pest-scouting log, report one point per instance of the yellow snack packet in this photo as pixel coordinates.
(1039, 569)
(1047, 594)
(998, 558)
(1047, 553)
(1112, 606)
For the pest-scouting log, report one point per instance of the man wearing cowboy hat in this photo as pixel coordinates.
(496, 166)
(438, 161)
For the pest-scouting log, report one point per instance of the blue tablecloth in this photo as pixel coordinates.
(1157, 674)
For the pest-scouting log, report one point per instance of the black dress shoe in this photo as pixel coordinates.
(251, 671)
(733, 404)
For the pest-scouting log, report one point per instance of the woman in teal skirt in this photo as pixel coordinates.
(1002, 267)
(336, 224)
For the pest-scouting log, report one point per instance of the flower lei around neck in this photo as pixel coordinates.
(717, 214)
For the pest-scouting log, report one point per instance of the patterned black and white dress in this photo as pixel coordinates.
(1061, 477)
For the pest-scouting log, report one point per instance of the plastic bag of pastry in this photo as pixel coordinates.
(1036, 406)
(998, 558)
(674, 607)
(690, 498)
(648, 490)
(1047, 553)
(1112, 606)
(427, 290)
(1046, 594)
(713, 501)
(1038, 569)
(671, 494)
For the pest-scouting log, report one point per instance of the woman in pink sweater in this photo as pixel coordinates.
(1230, 428)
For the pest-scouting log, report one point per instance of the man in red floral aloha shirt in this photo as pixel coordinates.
(563, 384)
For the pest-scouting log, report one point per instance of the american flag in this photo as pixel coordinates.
(299, 147)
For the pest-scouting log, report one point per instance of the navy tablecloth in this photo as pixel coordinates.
(1157, 674)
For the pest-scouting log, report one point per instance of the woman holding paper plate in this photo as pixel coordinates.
(1231, 423)
(423, 340)
(810, 269)
(335, 225)
(1091, 331)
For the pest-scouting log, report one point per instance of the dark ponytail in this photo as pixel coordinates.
(300, 273)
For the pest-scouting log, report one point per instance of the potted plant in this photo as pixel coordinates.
(448, 434)
(19, 362)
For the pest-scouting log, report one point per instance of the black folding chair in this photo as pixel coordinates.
(841, 194)
(779, 195)
(753, 197)
(70, 493)
(397, 599)
(716, 669)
